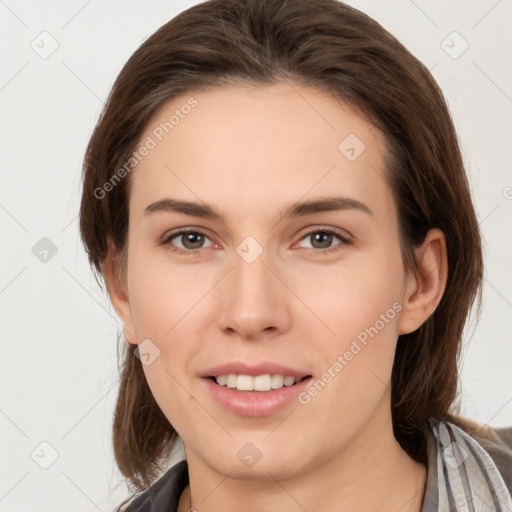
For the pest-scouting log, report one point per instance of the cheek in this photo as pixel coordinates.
(353, 296)
(164, 297)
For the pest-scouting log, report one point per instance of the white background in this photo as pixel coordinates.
(59, 363)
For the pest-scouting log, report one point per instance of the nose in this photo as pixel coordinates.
(254, 302)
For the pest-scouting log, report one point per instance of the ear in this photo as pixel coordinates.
(118, 292)
(424, 291)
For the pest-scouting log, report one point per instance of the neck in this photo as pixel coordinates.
(372, 473)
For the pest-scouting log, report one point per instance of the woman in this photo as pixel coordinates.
(276, 200)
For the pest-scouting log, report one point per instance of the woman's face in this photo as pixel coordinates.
(292, 260)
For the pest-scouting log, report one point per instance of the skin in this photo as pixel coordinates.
(250, 152)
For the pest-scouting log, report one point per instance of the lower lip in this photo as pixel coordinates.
(255, 403)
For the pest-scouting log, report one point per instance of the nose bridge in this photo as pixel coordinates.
(254, 300)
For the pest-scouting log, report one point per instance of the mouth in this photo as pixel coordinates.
(243, 399)
(256, 384)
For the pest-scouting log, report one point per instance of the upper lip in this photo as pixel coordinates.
(241, 368)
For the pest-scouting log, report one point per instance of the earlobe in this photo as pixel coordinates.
(118, 293)
(425, 290)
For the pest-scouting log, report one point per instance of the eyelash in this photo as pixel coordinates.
(190, 252)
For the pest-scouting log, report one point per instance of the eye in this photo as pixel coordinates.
(186, 241)
(323, 239)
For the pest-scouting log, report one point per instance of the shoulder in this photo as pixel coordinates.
(469, 465)
(497, 442)
(164, 494)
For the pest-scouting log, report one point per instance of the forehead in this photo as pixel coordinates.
(241, 147)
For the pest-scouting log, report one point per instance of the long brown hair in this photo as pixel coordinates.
(337, 49)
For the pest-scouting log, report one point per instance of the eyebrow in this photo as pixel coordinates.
(295, 210)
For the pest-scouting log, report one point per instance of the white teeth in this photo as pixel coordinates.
(289, 381)
(259, 383)
(230, 380)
